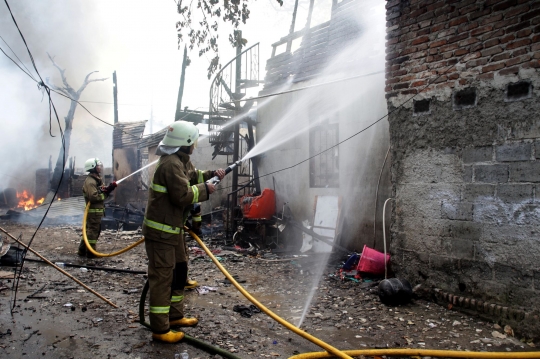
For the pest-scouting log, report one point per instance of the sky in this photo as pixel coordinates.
(135, 38)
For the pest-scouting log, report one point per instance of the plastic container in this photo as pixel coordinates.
(372, 261)
(60, 264)
(259, 207)
(184, 355)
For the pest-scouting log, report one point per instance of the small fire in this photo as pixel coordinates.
(26, 200)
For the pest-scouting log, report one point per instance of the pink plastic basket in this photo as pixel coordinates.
(372, 261)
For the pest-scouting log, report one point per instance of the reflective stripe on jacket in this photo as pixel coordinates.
(93, 194)
(174, 187)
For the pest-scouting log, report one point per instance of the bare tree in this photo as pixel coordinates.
(74, 95)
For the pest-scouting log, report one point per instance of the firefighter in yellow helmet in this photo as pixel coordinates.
(176, 185)
(94, 192)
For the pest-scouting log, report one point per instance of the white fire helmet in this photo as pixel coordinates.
(180, 133)
(91, 164)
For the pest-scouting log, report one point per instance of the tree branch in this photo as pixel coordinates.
(87, 81)
(67, 88)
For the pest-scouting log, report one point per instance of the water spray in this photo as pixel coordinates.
(139, 170)
(215, 180)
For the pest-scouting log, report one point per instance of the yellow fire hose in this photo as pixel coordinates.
(98, 254)
(424, 353)
(330, 350)
(327, 347)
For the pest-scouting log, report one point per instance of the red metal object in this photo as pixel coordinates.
(259, 207)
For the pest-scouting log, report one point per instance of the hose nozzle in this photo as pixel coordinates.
(215, 180)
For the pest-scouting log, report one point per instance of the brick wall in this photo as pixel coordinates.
(462, 89)
(426, 39)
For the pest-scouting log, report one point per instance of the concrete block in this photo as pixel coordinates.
(491, 291)
(474, 192)
(465, 230)
(491, 213)
(457, 211)
(443, 263)
(515, 193)
(475, 270)
(462, 248)
(513, 152)
(525, 171)
(467, 174)
(537, 149)
(520, 296)
(477, 154)
(509, 235)
(491, 173)
(508, 273)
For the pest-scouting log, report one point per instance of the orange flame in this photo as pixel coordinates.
(26, 200)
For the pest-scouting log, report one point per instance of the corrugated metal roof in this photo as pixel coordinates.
(128, 134)
(73, 206)
(152, 140)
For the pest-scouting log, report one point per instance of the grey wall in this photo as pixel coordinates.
(354, 104)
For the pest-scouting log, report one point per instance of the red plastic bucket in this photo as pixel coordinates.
(372, 261)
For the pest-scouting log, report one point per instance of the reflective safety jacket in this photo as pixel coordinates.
(92, 193)
(176, 185)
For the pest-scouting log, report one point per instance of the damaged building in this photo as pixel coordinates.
(462, 88)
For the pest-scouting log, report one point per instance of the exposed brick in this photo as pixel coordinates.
(461, 52)
(425, 16)
(517, 60)
(535, 38)
(492, 51)
(503, 56)
(532, 64)
(418, 83)
(509, 71)
(469, 41)
(467, 27)
(530, 15)
(476, 63)
(505, 23)
(522, 25)
(535, 48)
(491, 173)
(482, 13)
(425, 31)
(481, 30)
(458, 21)
(524, 33)
(437, 43)
(491, 19)
(491, 35)
(470, 8)
(493, 67)
(520, 52)
(445, 85)
(472, 191)
(512, 152)
(477, 47)
(505, 5)
(401, 86)
(486, 76)
(458, 38)
(516, 11)
(519, 43)
(453, 76)
(399, 73)
(465, 230)
(507, 38)
(420, 40)
(491, 43)
(449, 47)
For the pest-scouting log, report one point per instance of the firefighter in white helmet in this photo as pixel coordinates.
(176, 185)
(94, 192)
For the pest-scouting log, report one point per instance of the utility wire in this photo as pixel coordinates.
(357, 133)
(52, 109)
(22, 63)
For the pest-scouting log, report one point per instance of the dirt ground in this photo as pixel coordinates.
(56, 318)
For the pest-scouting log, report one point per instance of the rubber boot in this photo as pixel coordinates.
(171, 336)
(184, 322)
(82, 249)
(190, 284)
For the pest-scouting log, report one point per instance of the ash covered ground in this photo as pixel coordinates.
(56, 318)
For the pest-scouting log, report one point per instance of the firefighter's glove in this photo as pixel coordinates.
(110, 187)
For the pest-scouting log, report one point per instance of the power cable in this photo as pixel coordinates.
(357, 133)
(41, 85)
(27, 71)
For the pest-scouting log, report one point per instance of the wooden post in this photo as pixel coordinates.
(60, 269)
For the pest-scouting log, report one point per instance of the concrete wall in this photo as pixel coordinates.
(360, 158)
(465, 149)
